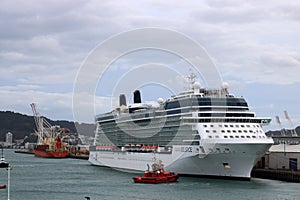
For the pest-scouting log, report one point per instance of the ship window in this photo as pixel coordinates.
(242, 136)
(242, 126)
(250, 131)
(237, 126)
(231, 125)
(222, 131)
(226, 125)
(171, 112)
(220, 125)
(228, 131)
(210, 136)
(248, 125)
(237, 136)
(217, 136)
(231, 136)
(225, 136)
(248, 136)
(173, 104)
(207, 131)
(204, 125)
(234, 131)
(245, 131)
(211, 125)
(254, 136)
(214, 131)
(239, 131)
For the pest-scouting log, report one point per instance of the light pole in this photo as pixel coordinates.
(6, 165)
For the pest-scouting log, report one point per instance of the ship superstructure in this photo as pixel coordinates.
(206, 132)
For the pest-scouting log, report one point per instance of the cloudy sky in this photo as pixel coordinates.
(255, 46)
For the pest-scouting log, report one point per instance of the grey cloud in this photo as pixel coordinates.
(280, 61)
(45, 42)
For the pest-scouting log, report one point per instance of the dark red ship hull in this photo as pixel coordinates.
(42, 151)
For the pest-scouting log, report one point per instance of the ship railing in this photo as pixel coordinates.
(106, 147)
(146, 148)
(261, 121)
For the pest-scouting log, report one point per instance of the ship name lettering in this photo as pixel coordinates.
(188, 149)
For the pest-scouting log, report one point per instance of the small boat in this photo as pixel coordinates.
(157, 175)
(2, 186)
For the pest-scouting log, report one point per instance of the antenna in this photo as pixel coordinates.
(293, 130)
(7, 166)
(191, 78)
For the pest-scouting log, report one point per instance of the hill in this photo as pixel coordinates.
(23, 125)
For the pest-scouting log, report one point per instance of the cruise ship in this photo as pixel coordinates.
(203, 132)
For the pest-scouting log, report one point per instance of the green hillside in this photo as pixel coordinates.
(23, 125)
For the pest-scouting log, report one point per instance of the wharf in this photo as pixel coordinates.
(74, 156)
(24, 151)
(80, 156)
(276, 174)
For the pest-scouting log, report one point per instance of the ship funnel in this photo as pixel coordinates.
(122, 100)
(137, 97)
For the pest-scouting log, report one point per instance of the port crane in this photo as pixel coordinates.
(44, 130)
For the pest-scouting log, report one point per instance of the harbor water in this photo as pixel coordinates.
(70, 179)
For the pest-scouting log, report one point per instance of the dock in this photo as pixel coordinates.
(276, 174)
(24, 151)
(79, 156)
(71, 155)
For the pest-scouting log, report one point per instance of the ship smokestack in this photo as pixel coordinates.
(122, 100)
(137, 97)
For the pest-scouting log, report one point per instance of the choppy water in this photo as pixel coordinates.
(68, 179)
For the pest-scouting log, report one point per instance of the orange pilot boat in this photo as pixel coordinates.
(157, 175)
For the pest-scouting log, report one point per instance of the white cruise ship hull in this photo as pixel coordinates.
(224, 160)
(204, 132)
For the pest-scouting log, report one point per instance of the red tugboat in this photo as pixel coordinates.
(49, 138)
(157, 175)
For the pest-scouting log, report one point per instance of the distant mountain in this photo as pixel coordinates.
(23, 125)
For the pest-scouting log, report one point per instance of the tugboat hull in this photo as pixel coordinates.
(156, 179)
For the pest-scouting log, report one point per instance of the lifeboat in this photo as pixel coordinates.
(156, 175)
